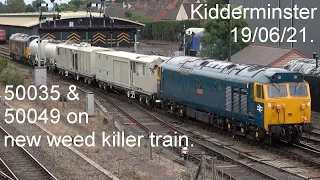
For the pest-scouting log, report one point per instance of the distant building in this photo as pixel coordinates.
(75, 26)
(311, 25)
(177, 14)
(157, 10)
(266, 55)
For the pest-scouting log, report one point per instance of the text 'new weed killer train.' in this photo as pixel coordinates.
(258, 102)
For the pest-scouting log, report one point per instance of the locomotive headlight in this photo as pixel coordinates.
(303, 107)
(283, 106)
(304, 119)
(278, 107)
(279, 77)
(309, 103)
(295, 77)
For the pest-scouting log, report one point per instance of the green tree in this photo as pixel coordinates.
(67, 7)
(128, 14)
(30, 8)
(2, 8)
(57, 7)
(35, 4)
(137, 16)
(215, 41)
(77, 3)
(15, 6)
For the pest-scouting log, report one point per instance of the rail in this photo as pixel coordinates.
(45, 173)
(171, 129)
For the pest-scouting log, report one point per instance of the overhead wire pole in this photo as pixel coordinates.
(40, 72)
(39, 38)
(54, 13)
(104, 13)
(184, 39)
(230, 36)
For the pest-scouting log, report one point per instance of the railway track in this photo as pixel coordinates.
(17, 163)
(4, 53)
(151, 123)
(311, 140)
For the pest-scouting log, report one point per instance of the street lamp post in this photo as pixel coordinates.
(230, 39)
(316, 57)
(230, 36)
(230, 33)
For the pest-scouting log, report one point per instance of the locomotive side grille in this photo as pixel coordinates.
(243, 106)
(235, 103)
(228, 98)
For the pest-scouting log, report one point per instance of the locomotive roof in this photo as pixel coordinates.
(231, 71)
(304, 66)
(21, 37)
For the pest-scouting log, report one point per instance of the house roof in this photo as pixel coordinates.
(153, 4)
(171, 14)
(115, 12)
(191, 1)
(262, 54)
(153, 12)
(187, 8)
(32, 19)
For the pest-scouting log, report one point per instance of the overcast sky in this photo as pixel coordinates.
(48, 1)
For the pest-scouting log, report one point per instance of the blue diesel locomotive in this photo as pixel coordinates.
(258, 102)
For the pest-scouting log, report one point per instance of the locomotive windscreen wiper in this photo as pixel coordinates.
(275, 85)
(298, 85)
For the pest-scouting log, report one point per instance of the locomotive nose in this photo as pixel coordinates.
(290, 111)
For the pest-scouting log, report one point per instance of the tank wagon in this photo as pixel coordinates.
(3, 36)
(258, 102)
(19, 47)
(33, 51)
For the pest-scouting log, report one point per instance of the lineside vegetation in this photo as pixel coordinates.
(9, 74)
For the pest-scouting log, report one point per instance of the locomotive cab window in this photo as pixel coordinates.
(259, 91)
(277, 91)
(298, 90)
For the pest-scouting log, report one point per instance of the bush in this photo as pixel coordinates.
(8, 77)
(3, 64)
(167, 30)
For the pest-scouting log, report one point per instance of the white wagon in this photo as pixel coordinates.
(130, 72)
(78, 60)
